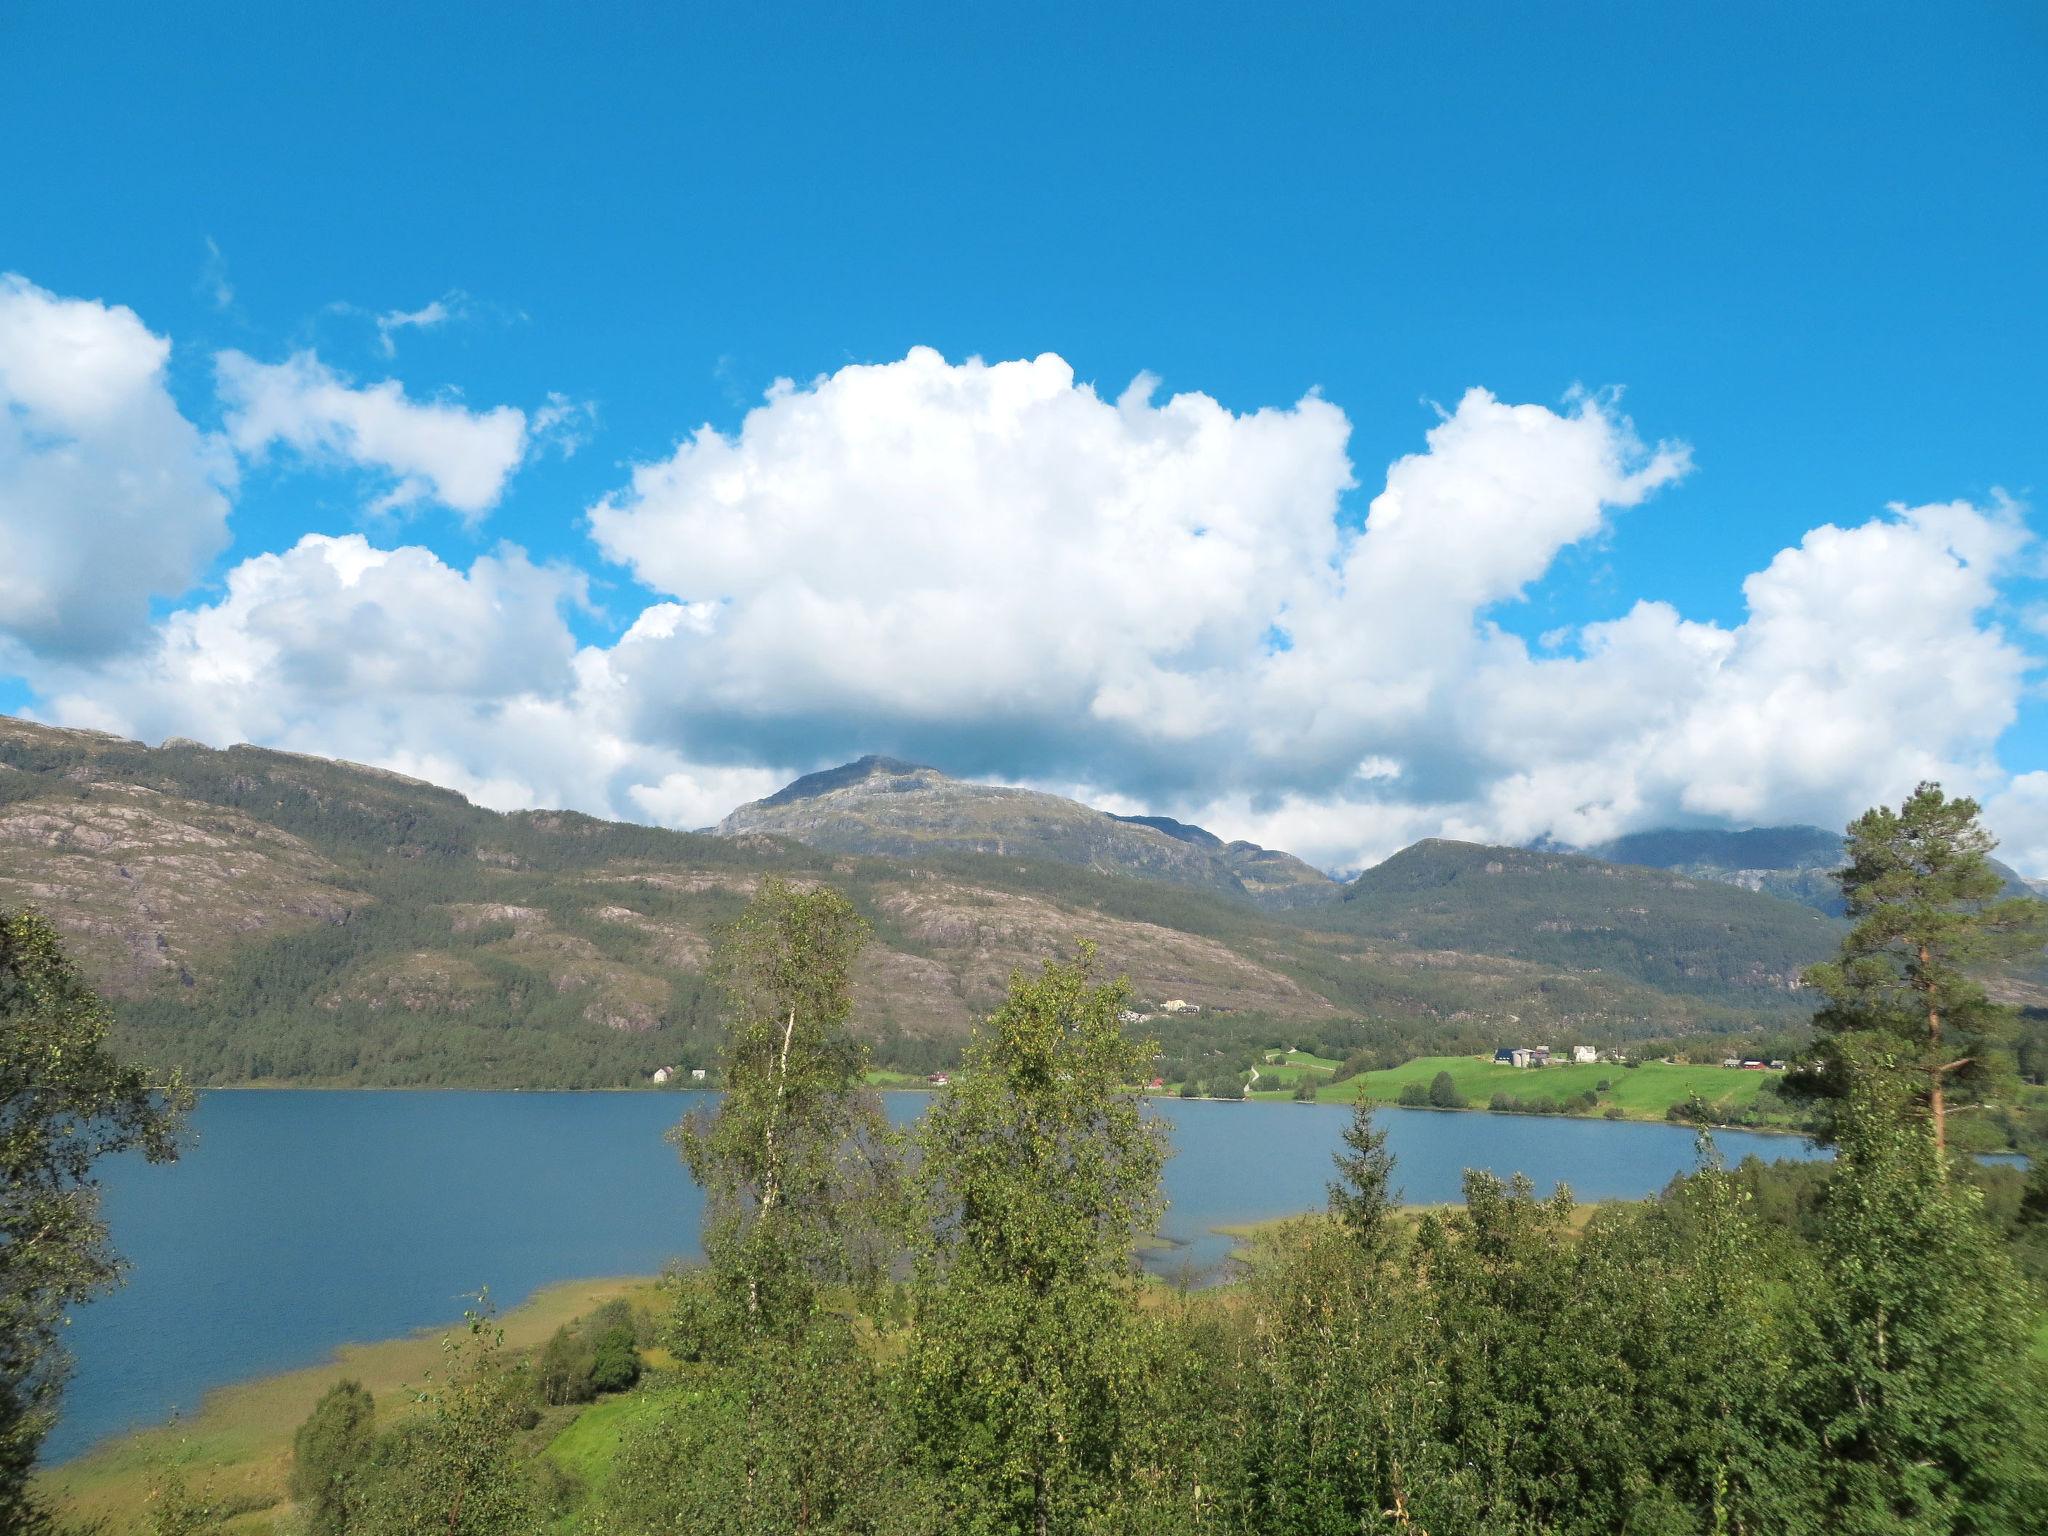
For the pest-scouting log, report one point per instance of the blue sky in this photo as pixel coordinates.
(1805, 242)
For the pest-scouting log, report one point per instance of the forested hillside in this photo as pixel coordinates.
(261, 916)
(1581, 914)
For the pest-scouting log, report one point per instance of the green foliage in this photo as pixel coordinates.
(795, 1161)
(791, 1436)
(1927, 910)
(66, 1103)
(175, 1508)
(1362, 1197)
(1926, 1400)
(330, 1456)
(455, 1467)
(1443, 1092)
(592, 1355)
(1038, 1172)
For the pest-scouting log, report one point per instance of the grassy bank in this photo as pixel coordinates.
(239, 1442)
(1643, 1092)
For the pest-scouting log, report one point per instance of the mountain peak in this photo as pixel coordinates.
(884, 805)
(873, 766)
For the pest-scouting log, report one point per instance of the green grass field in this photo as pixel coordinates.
(589, 1446)
(1641, 1093)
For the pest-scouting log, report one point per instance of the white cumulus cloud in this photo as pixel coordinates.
(1147, 598)
(387, 656)
(108, 495)
(435, 449)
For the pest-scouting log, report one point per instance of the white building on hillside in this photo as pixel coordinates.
(1584, 1055)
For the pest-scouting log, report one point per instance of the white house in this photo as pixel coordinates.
(1584, 1055)
(662, 1075)
(696, 1074)
(1524, 1057)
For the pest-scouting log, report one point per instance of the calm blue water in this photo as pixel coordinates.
(300, 1221)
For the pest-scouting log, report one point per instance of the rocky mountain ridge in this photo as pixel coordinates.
(260, 916)
(882, 805)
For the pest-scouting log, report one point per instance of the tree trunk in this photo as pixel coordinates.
(1936, 1104)
(771, 1183)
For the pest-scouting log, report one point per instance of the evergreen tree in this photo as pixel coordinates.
(1443, 1092)
(1362, 1196)
(330, 1454)
(794, 1163)
(1926, 908)
(66, 1102)
(1039, 1171)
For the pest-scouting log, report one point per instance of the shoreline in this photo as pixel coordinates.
(238, 1439)
(1276, 1097)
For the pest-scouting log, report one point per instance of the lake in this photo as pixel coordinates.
(301, 1220)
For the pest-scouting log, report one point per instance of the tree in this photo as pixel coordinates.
(454, 1468)
(1926, 907)
(1930, 1413)
(794, 1163)
(1362, 1196)
(1039, 1170)
(1443, 1092)
(65, 1103)
(330, 1453)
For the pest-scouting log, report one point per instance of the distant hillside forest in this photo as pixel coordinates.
(262, 917)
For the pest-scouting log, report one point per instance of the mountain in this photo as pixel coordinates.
(262, 916)
(880, 805)
(1669, 931)
(1797, 863)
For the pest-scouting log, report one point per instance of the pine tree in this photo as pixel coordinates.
(1927, 908)
(1362, 1196)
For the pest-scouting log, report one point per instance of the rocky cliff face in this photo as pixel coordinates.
(880, 805)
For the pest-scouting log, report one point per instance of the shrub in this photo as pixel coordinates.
(1414, 1096)
(1605, 1085)
(1615, 1112)
(330, 1453)
(1305, 1090)
(1443, 1093)
(598, 1353)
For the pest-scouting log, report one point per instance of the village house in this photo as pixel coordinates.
(662, 1075)
(1584, 1055)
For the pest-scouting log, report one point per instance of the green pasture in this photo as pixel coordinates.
(1642, 1092)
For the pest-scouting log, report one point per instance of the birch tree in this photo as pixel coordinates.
(794, 1162)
